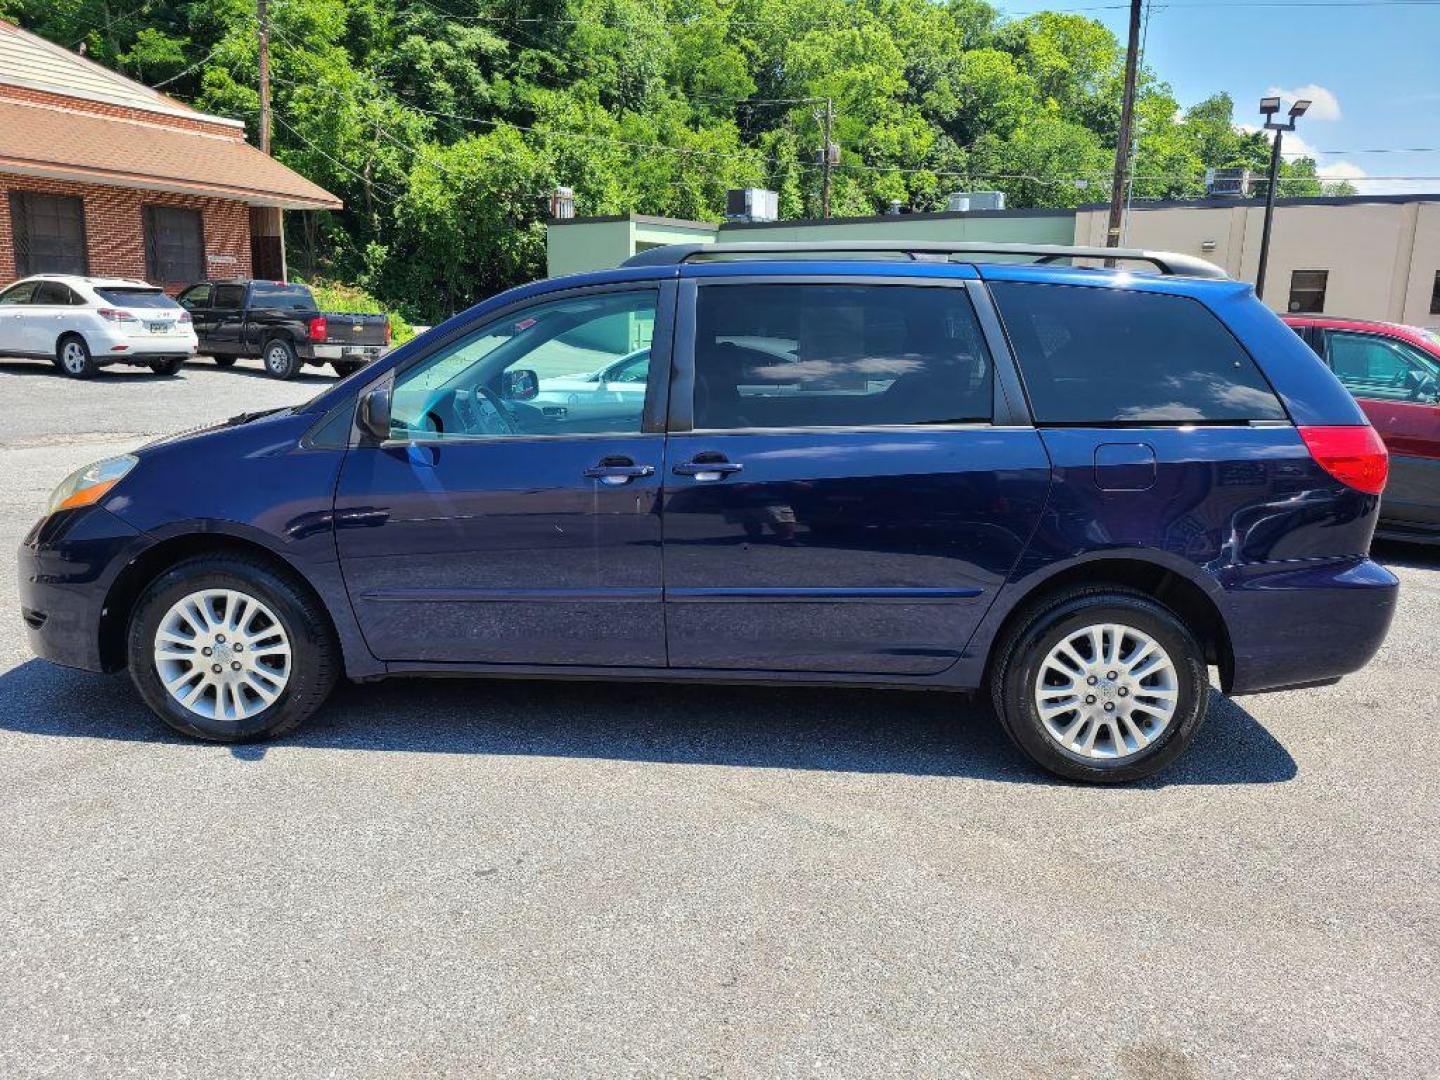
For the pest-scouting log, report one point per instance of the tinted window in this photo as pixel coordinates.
(229, 297)
(1371, 366)
(534, 372)
(287, 297)
(136, 298)
(1307, 290)
(1095, 355)
(174, 244)
(49, 233)
(1435, 295)
(54, 292)
(18, 294)
(838, 356)
(198, 297)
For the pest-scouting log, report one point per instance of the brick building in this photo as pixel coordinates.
(102, 175)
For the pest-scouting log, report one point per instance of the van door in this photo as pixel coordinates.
(499, 525)
(849, 482)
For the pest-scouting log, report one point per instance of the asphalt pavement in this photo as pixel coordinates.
(566, 879)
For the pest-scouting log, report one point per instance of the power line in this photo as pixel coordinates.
(393, 196)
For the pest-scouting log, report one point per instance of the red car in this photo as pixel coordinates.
(1394, 372)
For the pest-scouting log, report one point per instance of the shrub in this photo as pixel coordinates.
(336, 296)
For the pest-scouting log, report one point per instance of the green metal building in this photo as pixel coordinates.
(597, 243)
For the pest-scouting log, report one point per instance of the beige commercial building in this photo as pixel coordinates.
(1368, 257)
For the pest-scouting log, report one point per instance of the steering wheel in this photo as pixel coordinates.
(482, 411)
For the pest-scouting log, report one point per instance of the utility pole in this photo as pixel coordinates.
(262, 14)
(1122, 140)
(825, 158)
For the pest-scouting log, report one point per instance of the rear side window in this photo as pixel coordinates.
(229, 297)
(54, 293)
(1096, 356)
(778, 356)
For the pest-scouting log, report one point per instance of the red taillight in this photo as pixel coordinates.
(185, 317)
(115, 315)
(1353, 455)
(318, 328)
(387, 331)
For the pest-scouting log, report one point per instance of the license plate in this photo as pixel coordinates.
(356, 350)
(161, 327)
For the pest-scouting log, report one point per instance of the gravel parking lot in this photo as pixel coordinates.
(495, 878)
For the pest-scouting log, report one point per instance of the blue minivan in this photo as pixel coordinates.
(962, 467)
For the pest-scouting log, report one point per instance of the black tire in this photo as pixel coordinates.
(314, 653)
(1022, 653)
(171, 365)
(72, 356)
(224, 361)
(344, 368)
(280, 359)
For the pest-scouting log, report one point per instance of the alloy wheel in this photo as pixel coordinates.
(222, 654)
(72, 357)
(1106, 691)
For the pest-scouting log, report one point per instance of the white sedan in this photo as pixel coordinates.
(81, 324)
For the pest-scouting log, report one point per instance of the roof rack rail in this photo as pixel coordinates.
(1166, 262)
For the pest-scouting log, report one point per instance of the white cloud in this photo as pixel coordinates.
(1324, 105)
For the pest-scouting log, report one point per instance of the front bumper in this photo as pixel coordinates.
(68, 563)
(1309, 621)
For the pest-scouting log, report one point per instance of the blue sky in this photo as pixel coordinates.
(1373, 69)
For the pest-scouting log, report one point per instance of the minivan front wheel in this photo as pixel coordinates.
(225, 648)
(1102, 685)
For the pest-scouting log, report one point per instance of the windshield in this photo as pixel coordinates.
(135, 297)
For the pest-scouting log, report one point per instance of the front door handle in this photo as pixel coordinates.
(618, 470)
(708, 468)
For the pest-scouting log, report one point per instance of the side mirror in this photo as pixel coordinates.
(373, 415)
(519, 384)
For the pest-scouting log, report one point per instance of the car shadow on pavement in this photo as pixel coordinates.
(845, 730)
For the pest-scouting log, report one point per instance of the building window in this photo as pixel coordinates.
(1435, 295)
(174, 244)
(1307, 290)
(49, 233)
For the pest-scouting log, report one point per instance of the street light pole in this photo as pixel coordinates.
(1269, 106)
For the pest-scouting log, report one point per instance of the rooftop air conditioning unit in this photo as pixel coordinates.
(963, 201)
(752, 204)
(1228, 183)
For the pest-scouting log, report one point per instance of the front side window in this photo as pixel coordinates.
(174, 244)
(1375, 367)
(532, 372)
(1100, 355)
(49, 233)
(198, 297)
(1307, 291)
(23, 293)
(785, 356)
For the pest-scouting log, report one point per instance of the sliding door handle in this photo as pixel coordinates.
(708, 471)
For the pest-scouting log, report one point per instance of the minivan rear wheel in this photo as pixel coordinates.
(225, 648)
(1102, 685)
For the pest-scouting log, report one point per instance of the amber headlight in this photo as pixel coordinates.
(90, 484)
